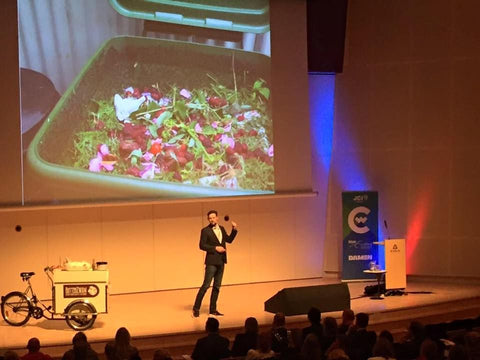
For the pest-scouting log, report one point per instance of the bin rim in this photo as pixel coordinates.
(179, 19)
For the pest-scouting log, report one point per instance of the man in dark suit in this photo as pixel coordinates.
(213, 239)
(213, 346)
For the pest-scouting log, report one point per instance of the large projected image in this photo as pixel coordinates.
(139, 113)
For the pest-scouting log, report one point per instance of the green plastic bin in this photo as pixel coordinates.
(118, 63)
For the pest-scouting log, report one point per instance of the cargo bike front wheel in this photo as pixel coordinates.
(80, 315)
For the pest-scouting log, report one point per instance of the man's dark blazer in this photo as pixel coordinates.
(208, 241)
(211, 347)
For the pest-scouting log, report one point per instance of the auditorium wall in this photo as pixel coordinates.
(407, 125)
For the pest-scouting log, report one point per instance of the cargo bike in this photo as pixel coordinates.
(77, 297)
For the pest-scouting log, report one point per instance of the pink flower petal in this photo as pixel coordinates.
(95, 164)
(104, 149)
(226, 140)
(249, 115)
(148, 171)
(270, 151)
(228, 127)
(198, 128)
(147, 156)
(185, 93)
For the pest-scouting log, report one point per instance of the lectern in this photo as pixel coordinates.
(395, 263)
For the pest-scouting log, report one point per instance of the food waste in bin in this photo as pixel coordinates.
(208, 136)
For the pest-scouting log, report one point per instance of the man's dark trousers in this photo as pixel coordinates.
(214, 272)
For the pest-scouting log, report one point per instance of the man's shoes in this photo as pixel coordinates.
(195, 313)
(216, 313)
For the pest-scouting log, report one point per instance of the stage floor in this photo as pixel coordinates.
(163, 318)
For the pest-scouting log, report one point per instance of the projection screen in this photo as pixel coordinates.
(147, 99)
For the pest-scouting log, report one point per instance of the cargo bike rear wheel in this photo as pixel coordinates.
(16, 308)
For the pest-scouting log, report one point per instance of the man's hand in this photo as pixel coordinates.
(234, 225)
(219, 249)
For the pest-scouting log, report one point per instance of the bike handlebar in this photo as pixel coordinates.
(49, 270)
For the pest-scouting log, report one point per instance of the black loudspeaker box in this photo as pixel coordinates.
(298, 300)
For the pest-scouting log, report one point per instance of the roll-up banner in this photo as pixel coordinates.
(360, 231)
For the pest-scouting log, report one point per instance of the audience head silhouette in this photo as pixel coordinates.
(362, 320)
(314, 315)
(212, 325)
(251, 325)
(33, 345)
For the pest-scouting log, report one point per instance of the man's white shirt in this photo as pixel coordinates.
(218, 233)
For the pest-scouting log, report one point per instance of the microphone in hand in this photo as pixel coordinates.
(227, 218)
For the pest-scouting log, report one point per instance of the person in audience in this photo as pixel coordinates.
(409, 347)
(81, 349)
(213, 346)
(311, 349)
(329, 333)
(10, 355)
(295, 343)
(248, 340)
(472, 344)
(279, 339)
(120, 348)
(314, 316)
(348, 317)
(458, 352)
(34, 353)
(263, 350)
(337, 354)
(387, 335)
(161, 354)
(383, 350)
(360, 340)
(429, 350)
(341, 342)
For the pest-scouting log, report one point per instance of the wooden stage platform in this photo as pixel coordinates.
(163, 319)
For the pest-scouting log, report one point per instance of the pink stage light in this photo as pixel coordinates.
(416, 225)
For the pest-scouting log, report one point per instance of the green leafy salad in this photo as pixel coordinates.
(212, 136)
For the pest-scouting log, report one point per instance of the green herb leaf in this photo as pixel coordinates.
(176, 138)
(172, 154)
(164, 116)
(136, 152)
(209, 130)
(153, 130)
(181, 109)
(265, 92)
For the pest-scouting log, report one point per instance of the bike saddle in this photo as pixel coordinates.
(27, 275)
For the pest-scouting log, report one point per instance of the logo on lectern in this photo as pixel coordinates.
(395, 248)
